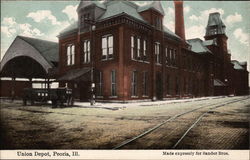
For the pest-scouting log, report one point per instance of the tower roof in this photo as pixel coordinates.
(84, 4)
(215, 20)
(121, 7)
(215, 25)
(156, 5)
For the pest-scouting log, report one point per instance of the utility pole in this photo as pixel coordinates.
(92, 28)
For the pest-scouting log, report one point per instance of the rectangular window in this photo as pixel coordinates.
(83, 18)
(86, 51)
(134, 83)
(107, 47)
(110, 47)
(170, 55)
(145, 83)
(70, 54)
(73, 54)
(138, 48)
(174, 57)
(157, 52)
(144, 48)
(133, 47)
(167, 58)
(104, 48)
(113, 83)
(99, 84)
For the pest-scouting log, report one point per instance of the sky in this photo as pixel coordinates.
(45, 19)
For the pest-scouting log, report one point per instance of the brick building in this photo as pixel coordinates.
(135, 56)
(127, 52)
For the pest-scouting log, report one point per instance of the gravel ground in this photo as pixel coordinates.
(41, 127)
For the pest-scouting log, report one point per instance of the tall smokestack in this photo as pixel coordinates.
(179, 19)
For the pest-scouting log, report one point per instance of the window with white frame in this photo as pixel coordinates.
(107, 47)
(86, 51)
(133, 48)
(144, 50)
(138, 48)
(134, 83)
(157, 52)
(113, 83)
(70, 54)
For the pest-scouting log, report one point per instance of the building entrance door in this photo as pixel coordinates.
(84, 91)
(159, 87)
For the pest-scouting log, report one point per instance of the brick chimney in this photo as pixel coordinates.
(179, 19)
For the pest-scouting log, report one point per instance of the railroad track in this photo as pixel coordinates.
(214, 106)
(199, 119)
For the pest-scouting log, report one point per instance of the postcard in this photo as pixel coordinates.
(125, 80)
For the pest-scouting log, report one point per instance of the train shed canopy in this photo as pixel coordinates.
(29, 58)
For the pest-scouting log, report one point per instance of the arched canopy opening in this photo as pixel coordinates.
(23, 67)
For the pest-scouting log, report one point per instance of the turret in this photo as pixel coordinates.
(215, 26)
(216, 29)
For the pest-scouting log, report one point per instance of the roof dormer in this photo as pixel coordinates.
(153, 13)
(89, 10)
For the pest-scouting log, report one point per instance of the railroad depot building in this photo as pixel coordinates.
(127, 52)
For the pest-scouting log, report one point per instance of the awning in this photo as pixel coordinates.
(81, 74)
(218, 83)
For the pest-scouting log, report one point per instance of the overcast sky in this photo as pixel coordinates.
(46, 19)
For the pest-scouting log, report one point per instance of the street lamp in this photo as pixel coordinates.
(92, 28)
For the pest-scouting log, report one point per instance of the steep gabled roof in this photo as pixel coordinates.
(119, 7)
(155, 5)
(198, 46)
(48, 49)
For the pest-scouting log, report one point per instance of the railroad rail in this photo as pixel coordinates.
(199, 119)
(126, 142)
